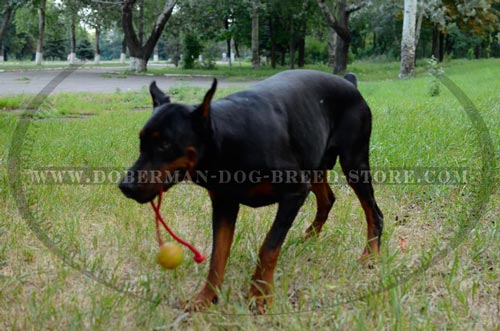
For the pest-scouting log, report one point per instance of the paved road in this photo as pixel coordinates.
(100, 80)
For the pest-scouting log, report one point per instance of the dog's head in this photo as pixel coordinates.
(171, 143)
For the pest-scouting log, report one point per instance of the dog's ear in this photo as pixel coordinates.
(200, 115)
(350, 77)
(159, 98)
(204, 107)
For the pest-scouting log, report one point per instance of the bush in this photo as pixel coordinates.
(434, 84)
(209, 57)
(192, 49)
(84, 50)
(316, 51)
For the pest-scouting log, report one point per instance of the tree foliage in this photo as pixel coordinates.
(290, 33)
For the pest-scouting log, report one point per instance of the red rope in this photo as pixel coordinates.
(157, 221)
(198, 257)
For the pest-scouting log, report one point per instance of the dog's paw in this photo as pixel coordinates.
(258, 300)
(257, 305)
(309, 235)
(202, 301)
(311, 232)
(367, 259)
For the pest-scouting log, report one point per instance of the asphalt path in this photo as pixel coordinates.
(100, 80)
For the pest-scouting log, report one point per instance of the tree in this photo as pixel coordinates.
(477, 18)
(255, 35)
(71, 10)
(285, 32)
(340, 23)
(332, 43)
(228, 21)
(140, 52)
(55, 45)
(7, 10)
(407, 68)
(41, 31)
(192, 49)
(100, 16)
(84, 50)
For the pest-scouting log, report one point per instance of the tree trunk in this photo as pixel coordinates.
(3, 29)
(255, 35)
(123, 55)
(332, 46)
(417, 31)
(228, 44)
(441, 46)
(292, 46)
(300, 41)
(138, 64)
(435, 41)
(236, 49)
(41, 31)
(141, 52)
(340, 23)
(156, 55)
(72, 40)
(341, 56)
(6, 21)
(302, 52)
(237, 52)
(141, 22)
(407, 68)
(344, 40)
(273, 43)
(97, 56)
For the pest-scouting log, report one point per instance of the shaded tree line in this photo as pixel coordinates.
(289, 33)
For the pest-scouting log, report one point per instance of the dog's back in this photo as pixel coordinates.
(287, 121)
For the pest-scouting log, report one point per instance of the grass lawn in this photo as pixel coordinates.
(238, 72)
(85, 256)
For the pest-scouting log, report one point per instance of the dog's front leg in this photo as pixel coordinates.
(262, 280)
(224, 218)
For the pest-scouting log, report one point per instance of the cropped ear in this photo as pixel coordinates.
(201, 113)
(159, 98)
(204, 108)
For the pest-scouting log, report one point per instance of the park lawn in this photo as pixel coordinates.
(84, 256)
(366, 70)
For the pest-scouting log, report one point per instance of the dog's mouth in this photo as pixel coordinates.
(144, 184)
(143, 198)
(142, 193)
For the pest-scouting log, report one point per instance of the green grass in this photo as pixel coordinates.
(113, 239)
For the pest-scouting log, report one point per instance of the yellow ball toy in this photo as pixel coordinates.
(169, 256)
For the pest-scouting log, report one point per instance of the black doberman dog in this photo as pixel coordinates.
(294, 121)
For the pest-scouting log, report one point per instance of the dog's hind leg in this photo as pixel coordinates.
(354, 141)
(357, 171)
(324, 203)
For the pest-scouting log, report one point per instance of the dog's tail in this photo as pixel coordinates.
(351, 78)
